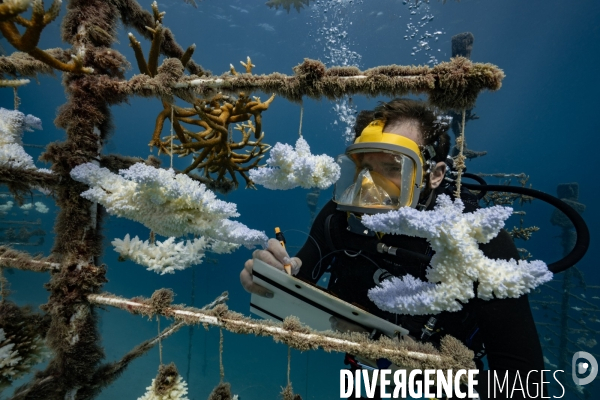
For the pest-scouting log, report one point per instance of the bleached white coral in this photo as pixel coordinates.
(41, 207)
(177, 392)
(168, 256)
(4, 208)
(8, 357)
(458, 262)
(168, 204)
(288, 168)
(12, 125)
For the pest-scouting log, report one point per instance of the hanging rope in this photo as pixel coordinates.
(3, 283)
(459, 161)
(289, 364)
(172, 107)
(221, 368)
(159, 341)
(301, 116)
(191, 328)
(17, 100)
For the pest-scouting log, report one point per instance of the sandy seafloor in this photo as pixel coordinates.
(543, 122)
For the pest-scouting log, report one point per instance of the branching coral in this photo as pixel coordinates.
(168, 256)
(28, 41)
(21, 341)
(458, 262)
(10, 9)
(288, 168)
(213, 148)
(168, 385)
(12, 125)
(168, 204)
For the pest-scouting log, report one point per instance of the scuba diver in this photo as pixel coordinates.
(398, 159)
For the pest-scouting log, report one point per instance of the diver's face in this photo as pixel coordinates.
(385, 164)
(389, 165)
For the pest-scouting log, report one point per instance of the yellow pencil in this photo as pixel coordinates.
(279, 236)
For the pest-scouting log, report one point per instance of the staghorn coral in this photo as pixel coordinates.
(213, 148)
(27, 42)
(458, 262)
(288, 168)
(10, 9)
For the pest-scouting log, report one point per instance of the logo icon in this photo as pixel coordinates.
(590, 365)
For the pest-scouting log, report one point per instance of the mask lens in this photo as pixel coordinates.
(367, 192)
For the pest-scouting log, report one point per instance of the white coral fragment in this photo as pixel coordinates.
(12, 125)
(40, 207)
(8, 357)
(166, 203)
(168, 256)
(458, 262)
(288, 168)
(177, 392)
(5, 208)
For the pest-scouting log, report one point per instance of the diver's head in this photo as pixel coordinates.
(395, 161)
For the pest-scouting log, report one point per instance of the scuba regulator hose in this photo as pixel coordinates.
(583, 234)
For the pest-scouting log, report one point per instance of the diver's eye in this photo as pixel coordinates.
(393, 169)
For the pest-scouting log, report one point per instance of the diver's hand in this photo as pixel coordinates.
(274, 255)
(343, 325)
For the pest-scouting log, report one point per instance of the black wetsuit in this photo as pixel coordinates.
(504, 326)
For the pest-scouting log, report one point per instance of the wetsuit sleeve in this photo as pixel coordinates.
(315, 248)
(510, 336)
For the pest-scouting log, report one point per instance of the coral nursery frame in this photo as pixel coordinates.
(94, 81)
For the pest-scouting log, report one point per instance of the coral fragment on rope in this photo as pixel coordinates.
(288, 168)
(458, 262)
(168, 385)
(168, 256)
(167, 203)
(12, 125)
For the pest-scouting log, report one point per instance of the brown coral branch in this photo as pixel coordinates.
(23, 65)
(132, 14)
(452, 353)
(10, 9)
(28, 41)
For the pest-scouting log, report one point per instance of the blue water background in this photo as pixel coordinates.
(543, 122)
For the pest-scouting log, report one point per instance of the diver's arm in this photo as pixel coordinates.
(315, 248)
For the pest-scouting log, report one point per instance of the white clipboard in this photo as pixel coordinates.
(312, 306)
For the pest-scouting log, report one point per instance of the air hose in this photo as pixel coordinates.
(583, 234)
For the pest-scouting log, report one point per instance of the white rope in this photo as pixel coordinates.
(200, 318)
(301, 116)
(172, 107)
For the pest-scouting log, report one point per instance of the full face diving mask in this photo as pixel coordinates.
(379, 172)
